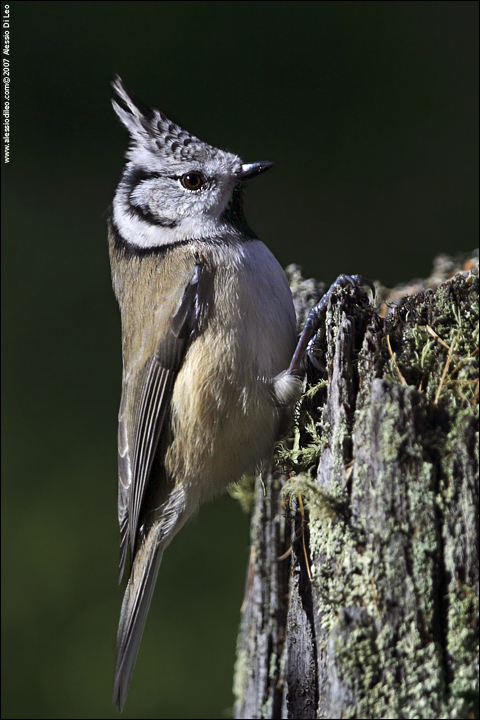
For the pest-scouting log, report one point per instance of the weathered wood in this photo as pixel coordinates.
(363, 590)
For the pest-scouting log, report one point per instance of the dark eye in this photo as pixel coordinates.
(193, 180)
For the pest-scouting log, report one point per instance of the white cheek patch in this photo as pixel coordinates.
(136, 231)
(140, 233)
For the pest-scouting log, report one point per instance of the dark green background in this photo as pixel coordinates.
(369, 109)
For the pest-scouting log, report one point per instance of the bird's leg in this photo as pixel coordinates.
(316, 317)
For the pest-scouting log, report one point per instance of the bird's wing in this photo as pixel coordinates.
(137, 447)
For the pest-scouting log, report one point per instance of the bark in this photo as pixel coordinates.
(362, 591)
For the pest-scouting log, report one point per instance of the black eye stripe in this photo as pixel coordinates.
(135, 176)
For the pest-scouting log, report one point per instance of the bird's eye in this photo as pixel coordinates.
(193, 180)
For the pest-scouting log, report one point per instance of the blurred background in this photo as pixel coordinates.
(369, 109)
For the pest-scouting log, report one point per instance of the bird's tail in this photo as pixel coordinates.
(135, 606)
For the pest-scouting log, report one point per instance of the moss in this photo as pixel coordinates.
(244, 492)
(451, 312)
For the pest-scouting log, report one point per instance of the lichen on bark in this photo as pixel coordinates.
(379, 613)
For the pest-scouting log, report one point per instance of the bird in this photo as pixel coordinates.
(208, 332)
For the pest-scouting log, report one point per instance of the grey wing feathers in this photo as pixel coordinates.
(148, 424)
(124, 475)
(134, 464)
(158, 377)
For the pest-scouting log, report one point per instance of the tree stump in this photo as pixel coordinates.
(362, 591)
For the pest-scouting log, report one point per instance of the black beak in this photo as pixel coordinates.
(250, 170)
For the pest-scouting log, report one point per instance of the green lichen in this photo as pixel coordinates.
(321, 506)
(241, 673)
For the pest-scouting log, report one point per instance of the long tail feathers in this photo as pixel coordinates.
(135, 606)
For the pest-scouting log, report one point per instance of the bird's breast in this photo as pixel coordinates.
(224, 418)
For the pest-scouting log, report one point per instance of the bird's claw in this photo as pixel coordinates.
(316, 316)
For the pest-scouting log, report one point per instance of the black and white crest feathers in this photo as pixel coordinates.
(151, 130)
